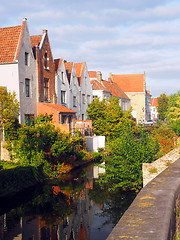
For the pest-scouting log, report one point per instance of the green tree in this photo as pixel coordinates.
(107, 117)
(162, 106)
(124, 159)
(9, 112)
(173, 113)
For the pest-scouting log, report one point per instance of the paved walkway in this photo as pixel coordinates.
(151, 170)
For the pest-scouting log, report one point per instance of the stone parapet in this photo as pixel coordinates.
(151, 170)
(152, 215)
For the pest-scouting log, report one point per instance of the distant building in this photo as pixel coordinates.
(134, 86)
(105, 89)
(154, 105)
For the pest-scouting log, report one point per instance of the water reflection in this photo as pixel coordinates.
(72, 208)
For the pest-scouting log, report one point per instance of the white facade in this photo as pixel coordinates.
(86, 93)
(74, 100)
(62, 86)
(16, 76)
(101, 94)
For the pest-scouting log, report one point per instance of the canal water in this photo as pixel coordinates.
(71, 208)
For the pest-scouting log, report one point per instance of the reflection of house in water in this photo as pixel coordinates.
(76, 226)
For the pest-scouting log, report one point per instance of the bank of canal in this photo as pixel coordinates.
(71, 208)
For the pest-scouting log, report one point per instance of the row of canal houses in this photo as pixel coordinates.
(54, 86)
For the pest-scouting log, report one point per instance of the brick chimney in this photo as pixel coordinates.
(99, 76)
(110, 77)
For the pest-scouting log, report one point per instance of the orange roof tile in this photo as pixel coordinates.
(154, 102)
(97, 85)
(57, 63)
(57, 107)
(79, 71)
(114, 89)
(130, 82)
(10, 42)
(35, 40)
(68, 66)
(92, 74)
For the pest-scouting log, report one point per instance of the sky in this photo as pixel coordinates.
(117, 36)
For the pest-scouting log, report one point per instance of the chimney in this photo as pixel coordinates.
(24, 19)
(110, 77)
(45, 31)
(99, 76)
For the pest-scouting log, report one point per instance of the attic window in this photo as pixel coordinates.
(26, 61)
(46, 61)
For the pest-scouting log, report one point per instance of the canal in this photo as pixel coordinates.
(71, 208)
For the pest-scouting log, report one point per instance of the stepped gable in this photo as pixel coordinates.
(10, 42)
(130, 82)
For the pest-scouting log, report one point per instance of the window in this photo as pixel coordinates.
(83, 98)
(46, 89)
(82, 116)
(46, 61)
(29, 119)
(26, 58)
(27, 87)
(63, 119)
(74, 101)
(63, 96)
(62, 76)
(88, 99)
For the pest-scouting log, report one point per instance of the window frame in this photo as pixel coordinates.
(27, 87)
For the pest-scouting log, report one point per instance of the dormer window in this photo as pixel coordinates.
(26, 61)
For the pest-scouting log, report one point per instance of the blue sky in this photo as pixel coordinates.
(118, 36)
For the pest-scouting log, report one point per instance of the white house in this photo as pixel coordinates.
(74, 100)
(18, 68)
(85, 88)
(98, 88)
(62, 84)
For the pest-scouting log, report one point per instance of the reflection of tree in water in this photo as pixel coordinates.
(113, 204)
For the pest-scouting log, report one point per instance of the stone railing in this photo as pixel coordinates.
(152, 215)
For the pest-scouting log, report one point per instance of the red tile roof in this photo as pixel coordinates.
(130, 82)
(10, 42)
(35, 40)
(154, 102)
(97, 85)
(92, 74)
(57, 107)
(114, 89)
(79, 71)
(57, 63)
(68, 66)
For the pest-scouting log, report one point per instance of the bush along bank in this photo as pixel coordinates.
(16, 179)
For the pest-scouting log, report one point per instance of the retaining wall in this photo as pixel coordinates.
(151, 216)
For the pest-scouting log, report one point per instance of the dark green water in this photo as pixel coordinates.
(68, 209)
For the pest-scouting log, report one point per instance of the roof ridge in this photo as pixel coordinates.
(19, 41)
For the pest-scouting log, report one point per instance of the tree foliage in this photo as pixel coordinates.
(9, 111)
(124, 159)
(162, 106)
(173, 112)
(107, 117)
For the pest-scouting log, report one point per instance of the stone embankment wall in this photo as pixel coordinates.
(152, 215)
(151, 170)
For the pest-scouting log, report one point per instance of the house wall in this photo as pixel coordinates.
(138, 105)
(28, 105)
(48, 72)
(74, 91)
(62, 85)
(85, 89)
